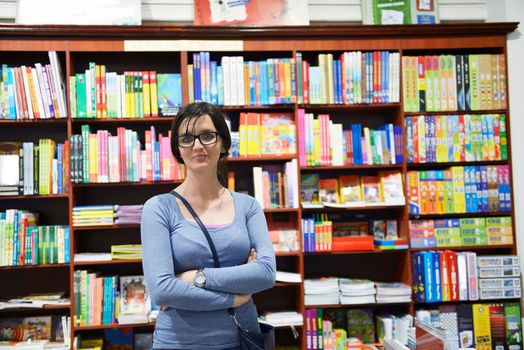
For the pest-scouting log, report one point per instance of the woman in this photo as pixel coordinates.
(177, 260)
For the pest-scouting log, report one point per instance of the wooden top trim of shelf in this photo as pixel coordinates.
(113, 325)
(477, 247)
(279, 32)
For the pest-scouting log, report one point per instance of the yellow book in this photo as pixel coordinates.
(330, 79)
(93, 158)
(438, 139)
(317, 153)
(446, 142)
(154, 93)
(246, 84)
(441, 193)
(443, 82)
(98, 91)
(133, 92)
(489, 81)
(323, 78)
(481, 326)
(459, 197)
(146, 94)
(127, 77)
(369, 151)
(287, 81)
(242, 135)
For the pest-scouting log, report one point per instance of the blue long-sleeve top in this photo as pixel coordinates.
(197, 318)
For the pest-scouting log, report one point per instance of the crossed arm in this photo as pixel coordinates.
(225, 287)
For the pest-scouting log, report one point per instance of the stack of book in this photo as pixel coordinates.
(126, 251)
(283, 318)
(353, 291)
(322, 291)
(395, 292)
(93, 215)
(128, 214)
(499, 277)
(88, 257)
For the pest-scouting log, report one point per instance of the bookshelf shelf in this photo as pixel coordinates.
(358, 306)
(287, 284)
(469, 248)
(352, 167)
(288, 253)
(281, 210)
(460, 215)
(356, 252)
(35, 309)
(486, 111)
(268, 108)
(349, 107)
(261, 159)
(41, 266)
(126, 184)
(106, 227)
(47, 196)
(33, 122)
(114, 325)
(416, 166)
(122, 121)
(108, 262)
(481, 301)
(368, 208)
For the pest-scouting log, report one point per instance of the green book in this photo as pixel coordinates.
(513, 326)
(360, 325)
(81, 96)
(72, 95)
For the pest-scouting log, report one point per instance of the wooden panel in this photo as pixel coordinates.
(32, 45)
(452, 43)
(95, 45)
(319, 45)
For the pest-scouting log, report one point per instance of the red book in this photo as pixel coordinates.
(305, 81)
(453, 276)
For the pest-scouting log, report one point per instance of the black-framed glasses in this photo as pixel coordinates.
(205, 138)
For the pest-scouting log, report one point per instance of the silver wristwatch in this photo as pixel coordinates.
(200, 279)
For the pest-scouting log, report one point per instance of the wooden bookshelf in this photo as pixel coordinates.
(106, 44)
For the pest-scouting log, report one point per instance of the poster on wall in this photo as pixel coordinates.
(400, 12)
(251, 12)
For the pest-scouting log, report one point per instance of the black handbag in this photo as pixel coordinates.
(248, 340)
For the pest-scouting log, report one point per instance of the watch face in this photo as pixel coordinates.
(200, 279)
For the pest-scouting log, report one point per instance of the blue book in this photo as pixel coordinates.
(220, 85)
(264, 87)
(356, 133)
(196, 78)
(252, 82)
(60, 158)
(312, 243)
(156, 156)
(11, 94)
(437, 273)
(399, 153)
(429, 276)
(214, 82)
(67, 239)
(169, 93)
(417, 270)
(271, 81)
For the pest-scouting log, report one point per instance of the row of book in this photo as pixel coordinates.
(453, 276)
(460, 232)
(35, 332)
(235, 82)
(454, 82)
(264, 134)
(355, 77)
(460, 189)
(324, 143)
(28, 168)
(277, 186)
(345, 291)
(108, 299)
(23, 242)
(98, 93)
(33, 93)
(362, 324)
(352, 190)
(101, 157)
(478, 326)
(456, 138)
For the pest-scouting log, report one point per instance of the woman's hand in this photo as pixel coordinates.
(241, 299)
(252, 255)
(188, 276)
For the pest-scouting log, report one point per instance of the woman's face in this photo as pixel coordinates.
(203, 151)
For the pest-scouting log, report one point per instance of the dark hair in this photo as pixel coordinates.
(192, 112)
